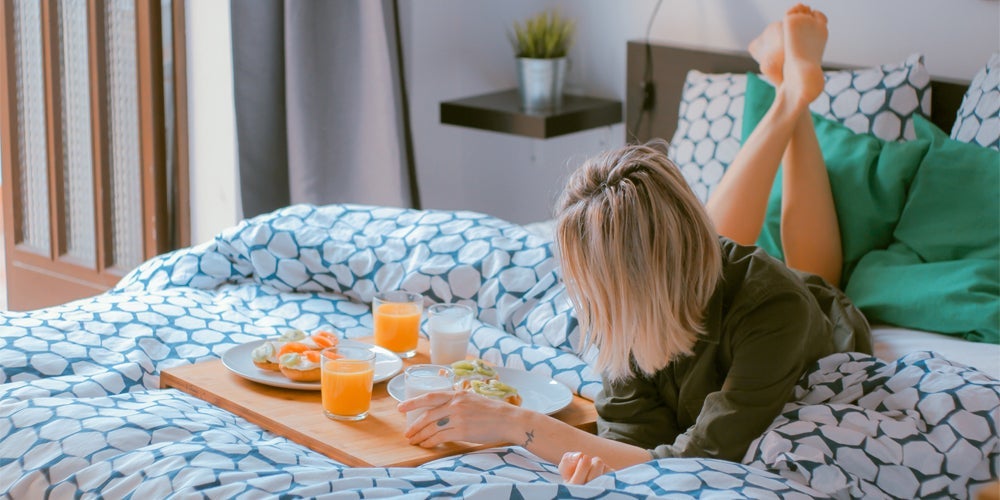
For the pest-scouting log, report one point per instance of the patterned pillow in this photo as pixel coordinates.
(978, 120)
(880, 101)
(708, 128)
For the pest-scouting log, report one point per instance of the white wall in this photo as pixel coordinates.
(458, 48)
(956, 36)
(215, 202)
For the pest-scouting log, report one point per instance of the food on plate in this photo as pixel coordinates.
(268, 355)
(300, 366)
(480, 377)
(293, 347)
(265, 356)
(468, 370)
(323, 339)
(292, 336)
(495, 389)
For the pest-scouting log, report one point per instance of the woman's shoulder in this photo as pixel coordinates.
(757, 287)
(750, 269)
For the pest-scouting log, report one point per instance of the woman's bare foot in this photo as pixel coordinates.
(768, 49)
(805, 34)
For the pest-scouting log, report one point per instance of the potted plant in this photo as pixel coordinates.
(540, 45)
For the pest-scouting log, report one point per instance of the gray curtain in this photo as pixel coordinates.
(320, 104)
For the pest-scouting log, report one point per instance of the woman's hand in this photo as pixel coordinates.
(461, 416)
(464, 416)
(578, 468)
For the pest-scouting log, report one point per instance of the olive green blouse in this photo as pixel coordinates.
(765, 324)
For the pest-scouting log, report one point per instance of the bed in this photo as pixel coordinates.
(82, 414)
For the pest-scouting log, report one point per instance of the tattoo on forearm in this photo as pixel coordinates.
(530, 436)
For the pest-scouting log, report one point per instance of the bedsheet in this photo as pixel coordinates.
(892, 342)
(81, 412)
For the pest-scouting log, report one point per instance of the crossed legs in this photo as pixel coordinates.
(789, 53)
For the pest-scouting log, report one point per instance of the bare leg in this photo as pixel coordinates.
(809, 229)
(810, 232)
(738, 204)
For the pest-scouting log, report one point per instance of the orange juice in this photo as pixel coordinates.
(397, 325)
(346, 386)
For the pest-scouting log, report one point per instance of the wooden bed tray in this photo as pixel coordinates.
(376, 441)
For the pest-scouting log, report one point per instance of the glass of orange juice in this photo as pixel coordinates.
(397, 321)
(347, 371)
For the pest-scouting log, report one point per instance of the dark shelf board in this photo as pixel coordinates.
(501, 112)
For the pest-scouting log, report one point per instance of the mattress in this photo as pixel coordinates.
(892, 342)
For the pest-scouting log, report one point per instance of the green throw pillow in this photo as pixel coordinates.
(869, 178)
(942, 273)
(953, 209)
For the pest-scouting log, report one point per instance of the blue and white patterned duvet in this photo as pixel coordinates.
(81, 412)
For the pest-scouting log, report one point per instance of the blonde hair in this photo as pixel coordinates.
(640, 258)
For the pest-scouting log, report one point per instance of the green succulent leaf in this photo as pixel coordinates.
(546, 35)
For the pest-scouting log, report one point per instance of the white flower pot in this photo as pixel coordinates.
(541, 83)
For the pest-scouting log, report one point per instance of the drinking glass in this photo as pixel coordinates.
(346, 374)
(397, 321)
(421, 379)
(449, 327)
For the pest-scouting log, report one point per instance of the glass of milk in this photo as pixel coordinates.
(449, 327)
(421, 379)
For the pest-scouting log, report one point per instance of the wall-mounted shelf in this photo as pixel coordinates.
(501, 112)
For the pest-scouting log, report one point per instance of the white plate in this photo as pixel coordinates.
(240, 362)
(538, 392)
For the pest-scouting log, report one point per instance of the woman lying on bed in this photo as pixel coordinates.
(700, 339)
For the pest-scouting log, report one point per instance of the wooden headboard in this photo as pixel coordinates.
(669, 67)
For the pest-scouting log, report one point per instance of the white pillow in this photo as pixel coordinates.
(978, 119)
(880, 101)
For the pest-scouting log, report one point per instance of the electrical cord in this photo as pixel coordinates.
(648, 89)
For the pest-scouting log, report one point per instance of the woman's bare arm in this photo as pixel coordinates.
(460, 416)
